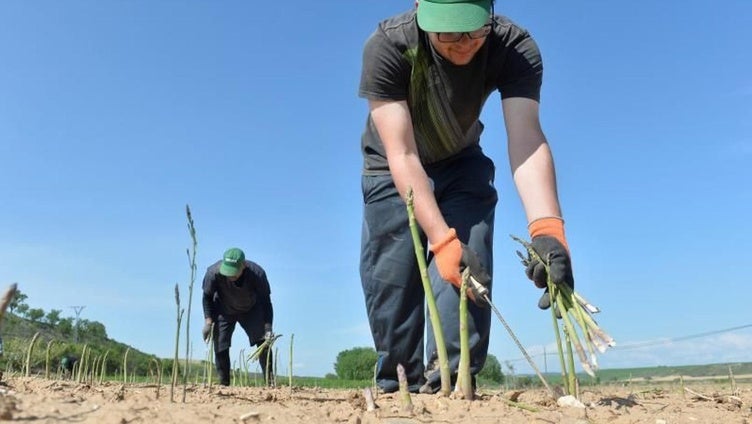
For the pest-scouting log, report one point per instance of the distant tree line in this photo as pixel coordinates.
(57, 335)
(358, 364)
(66, 327)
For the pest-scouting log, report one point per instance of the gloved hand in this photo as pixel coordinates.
(206, 331)
(452, 256)
(549, 243)
(268, 333)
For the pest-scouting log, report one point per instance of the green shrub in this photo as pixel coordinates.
(356, 363)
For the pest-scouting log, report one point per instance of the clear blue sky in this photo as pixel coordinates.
(116, 114)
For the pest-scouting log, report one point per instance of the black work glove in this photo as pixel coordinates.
(551, 250)
(476, 292)
(206, 331)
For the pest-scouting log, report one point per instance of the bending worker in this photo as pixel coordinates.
(426, 75)
(236, 291)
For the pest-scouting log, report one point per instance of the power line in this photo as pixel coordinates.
(650, 342)
(678, 339)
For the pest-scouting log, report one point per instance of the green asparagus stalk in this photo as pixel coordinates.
(276, 364)
(210, 357)
(27, 368)
(78, 366)
(47, 360)
(575, 340)
(175, 363)
(243, 374)
(268, 372)
(103, 370)
(552, 292)
(464, 380)
(430, 299)
(209, 360)
(192, 264)
(289, 363)
(94, 369)
(157, 369)
(571, 383)
(125, 366)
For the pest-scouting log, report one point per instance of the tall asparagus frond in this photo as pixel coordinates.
(433, 311)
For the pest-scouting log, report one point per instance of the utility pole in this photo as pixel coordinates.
(77, 310)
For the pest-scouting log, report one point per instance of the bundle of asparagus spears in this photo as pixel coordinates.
(572, 316)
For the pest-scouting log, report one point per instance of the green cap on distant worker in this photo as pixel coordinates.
(232, 262)
(453, 15)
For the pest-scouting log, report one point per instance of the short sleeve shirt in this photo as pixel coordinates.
(445, 100)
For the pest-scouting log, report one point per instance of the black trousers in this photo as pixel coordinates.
(392, 286)
(252, 322)
(222, 362)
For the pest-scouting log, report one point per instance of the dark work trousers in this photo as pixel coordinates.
(252, 323)
(394, 296)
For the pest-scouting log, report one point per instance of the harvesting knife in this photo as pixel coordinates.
(482, 290)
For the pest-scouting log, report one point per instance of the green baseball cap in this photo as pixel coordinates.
(232, 262)
(453, 15)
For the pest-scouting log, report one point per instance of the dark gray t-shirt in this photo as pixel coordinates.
(250, 290)
(445, 100)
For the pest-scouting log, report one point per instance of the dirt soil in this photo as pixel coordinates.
(53, 401)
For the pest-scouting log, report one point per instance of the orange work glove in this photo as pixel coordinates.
(550, 226)
(548, 241)
(451, 256)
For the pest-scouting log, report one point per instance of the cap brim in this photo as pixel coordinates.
(228, 270)
(453, 17)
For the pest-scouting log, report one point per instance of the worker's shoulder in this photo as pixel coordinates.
(399, 22)
(506, 28)
(214, 268)
(254, 267)
(400, 30)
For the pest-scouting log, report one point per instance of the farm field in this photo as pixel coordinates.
(29, 399)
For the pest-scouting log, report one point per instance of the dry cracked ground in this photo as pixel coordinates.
(36, 400)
